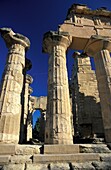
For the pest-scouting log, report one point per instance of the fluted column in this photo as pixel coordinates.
(58, 116)
(27, 114)
(11, 87)
(29, 122)
(28, 81)
(100, 48)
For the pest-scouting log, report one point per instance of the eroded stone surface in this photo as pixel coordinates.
(27, 149)
(82, 166)
(58, 116)
(14, 166)
(102, 165)
(37, 167)
(18, 159)
(11, 86)
(59, 166)
(94, 148)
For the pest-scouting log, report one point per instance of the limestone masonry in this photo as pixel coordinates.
(75, 122)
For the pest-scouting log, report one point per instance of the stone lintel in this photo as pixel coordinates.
(52, 38)
(14, 38)
(61, 149)
(97, 43)
(84, 10)
(29, 79)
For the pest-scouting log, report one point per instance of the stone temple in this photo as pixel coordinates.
(75, 122)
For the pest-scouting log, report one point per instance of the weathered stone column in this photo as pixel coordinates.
(28, 81)
(58, 116)
(28, 122)
(25, 101)
(11, 87)
(99, 47)
(42, 125)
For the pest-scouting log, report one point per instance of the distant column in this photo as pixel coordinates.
(58, 116)
(28, 81)
(25, 101)
(11, 87)
(42, 125)
(27, 114)
(99, 47)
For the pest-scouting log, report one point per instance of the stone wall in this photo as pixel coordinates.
(86, 101)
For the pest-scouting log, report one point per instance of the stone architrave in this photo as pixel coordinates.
(12, 85)
(58, 116)
(100, 48)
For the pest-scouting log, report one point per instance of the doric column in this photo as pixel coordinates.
(100, 48)
(25, 101)
(28, 118)
(28, 81)
(11, 87)
(42, 125)
(58, 116)
(29, 121)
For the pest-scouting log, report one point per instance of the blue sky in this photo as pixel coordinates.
(33, 18)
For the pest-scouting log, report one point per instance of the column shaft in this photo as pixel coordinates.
(103, 72)
(12, 86)
(58, 117)
(10, 99)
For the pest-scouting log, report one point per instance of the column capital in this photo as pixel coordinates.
(97, 43)
(53, 38)
(30, 90)
(11, 38)
(29, 79)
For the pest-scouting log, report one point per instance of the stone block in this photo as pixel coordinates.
(7, 149)
(105, 157)
(37, 167)
(58, 166)
(27, 149)
(4, 159)
(82, 166)
(94, 148)
(20, 159)
(14, 166)
(102, 165)
(79, 157)
(61, 149)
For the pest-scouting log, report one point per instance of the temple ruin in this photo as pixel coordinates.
(75, 111)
